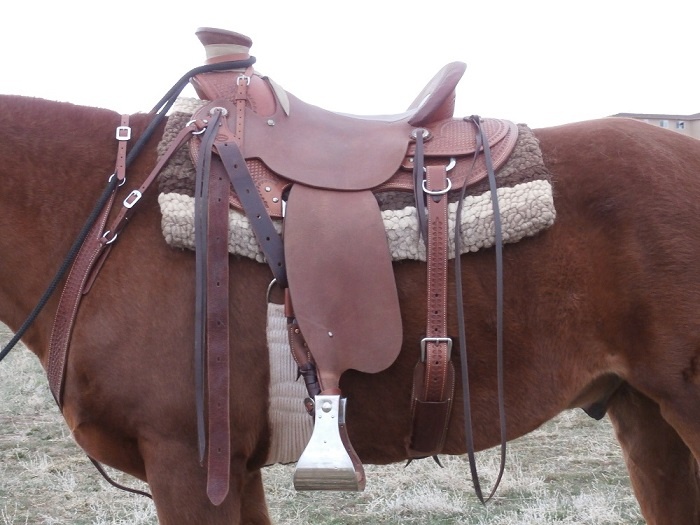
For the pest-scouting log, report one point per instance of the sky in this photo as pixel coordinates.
(538, 62)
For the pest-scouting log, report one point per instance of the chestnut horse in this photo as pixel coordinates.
(601, 309)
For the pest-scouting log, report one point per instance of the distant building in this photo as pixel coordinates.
(686, 124)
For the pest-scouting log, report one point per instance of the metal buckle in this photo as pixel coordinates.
(436, 340)
(135, 195)
(123, 133)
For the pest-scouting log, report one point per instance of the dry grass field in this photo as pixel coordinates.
(569, 471)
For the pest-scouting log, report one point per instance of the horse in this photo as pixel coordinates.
(600, 310)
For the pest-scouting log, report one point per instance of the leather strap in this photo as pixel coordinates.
(211, 315)
(200, 305)
(70, 300)
(253, 205)
(482, 145)
(218, 376)
(433, 379)
(87, 263)
(128, 205)
(418, 178)
(437, 346)
(79, 276)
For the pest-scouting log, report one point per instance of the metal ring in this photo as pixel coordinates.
(201, 130)
(269, 289)
(120, 184)
(438, 192)
(104, 236)
(450, 165)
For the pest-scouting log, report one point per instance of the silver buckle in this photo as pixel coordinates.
(436, 340)
(123, 133)
(132, 198)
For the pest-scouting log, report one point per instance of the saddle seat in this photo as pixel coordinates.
(324, 149)
(294, 141)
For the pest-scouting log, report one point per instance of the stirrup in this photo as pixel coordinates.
(329, 462)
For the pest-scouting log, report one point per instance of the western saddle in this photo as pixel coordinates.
(275, 157)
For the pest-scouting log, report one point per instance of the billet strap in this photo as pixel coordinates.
(227, 143)
(433, 379)
(212, 315)
(263, 228)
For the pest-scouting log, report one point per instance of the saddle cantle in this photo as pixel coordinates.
(334, 262)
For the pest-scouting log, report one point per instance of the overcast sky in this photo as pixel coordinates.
(533, 61)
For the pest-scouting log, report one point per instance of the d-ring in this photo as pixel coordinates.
(450, 165)
(438, 192)
(201, 130)
(269, 289)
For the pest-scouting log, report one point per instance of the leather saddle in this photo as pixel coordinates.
(319, 171)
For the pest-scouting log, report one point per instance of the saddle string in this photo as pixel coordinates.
(482, 145)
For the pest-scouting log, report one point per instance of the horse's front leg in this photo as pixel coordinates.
(178, 485)
(663, 471)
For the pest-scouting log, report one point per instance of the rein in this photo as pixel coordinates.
(482, 145)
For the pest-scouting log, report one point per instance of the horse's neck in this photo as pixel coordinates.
(55, 160)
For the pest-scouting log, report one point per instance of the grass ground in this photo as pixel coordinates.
(569, 471)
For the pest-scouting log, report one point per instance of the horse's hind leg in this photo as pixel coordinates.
(662, 468)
